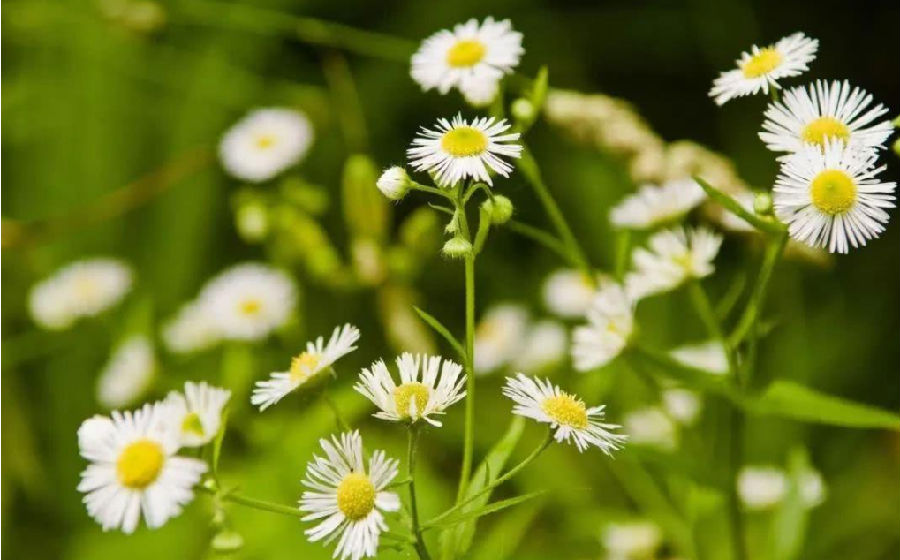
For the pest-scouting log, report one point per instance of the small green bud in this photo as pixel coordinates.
(522, 110)
(225, 542)
(252, 221)
(897, 146)
(457, 248)
(499, 208)
(762, 204)
(897, 122)
(453, 225)
(209, 484)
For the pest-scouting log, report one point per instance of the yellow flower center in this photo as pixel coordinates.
(466, 53)
(139, 464)
(407, 394)
(192, 424)
(86, 287)
(250, 306)
(303, 366)
(356, 496)
(763, 62)
(566, 410)
(264, 141)
(824, 128)
(464, 141)
(833, 191)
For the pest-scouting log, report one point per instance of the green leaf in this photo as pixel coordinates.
(441, 330)
(539, 89)
(217, 445)
(792, 400)
(733, 206)
(505, 534)
(473, 514)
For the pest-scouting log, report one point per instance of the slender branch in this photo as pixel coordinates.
(774, 247)
(338, 417)
(543, 238)
(350, 112)
(247, 501)
(623, 253)
(704, 309)
(421, 548)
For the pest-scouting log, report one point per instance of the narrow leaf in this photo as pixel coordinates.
(733, 206)
(473, 514)
(442, 330)
(792, 400)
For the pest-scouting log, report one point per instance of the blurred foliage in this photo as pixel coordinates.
(113, 109)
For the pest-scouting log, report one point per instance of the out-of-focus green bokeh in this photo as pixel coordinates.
(93, 101)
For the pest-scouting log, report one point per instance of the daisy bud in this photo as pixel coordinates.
(457, 248)
(897, 147)
(499, 208)
(252, 221)
(522, 109)
(394, 183)
(227, 541)
(762, 204)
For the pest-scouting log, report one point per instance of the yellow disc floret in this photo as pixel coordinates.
(264, 141)
(466, 53)
(250, 306)
(140, 464)
(761, 63)
(356, 496)
(833, 191)
(192, 424)
(566, 410)
(303, 366)
(413, 393)
(825, 128)
(464, 141)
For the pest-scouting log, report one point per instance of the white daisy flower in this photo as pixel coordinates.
(629, 540)
(457, 150)
(248, 301)
(568, 292)
(193, 329)
(428, 386)
(761, 68)
(317, 358)
(348, 498)
(498, 336)
(573, 421)
(654, 205)
(198, 412)
(610, 323)
(133, 469)
(709, 356)
(812, 488)
(672, 257)
(681, 405)
(128, 373)
(80, 289)
(264, 143)
(650, 426)
(472, 58)
(544, 346)
(832, 198)
(821, 112)
(762, 487)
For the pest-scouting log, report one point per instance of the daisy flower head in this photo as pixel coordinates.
(317, 358)
(197, 413)
(545, 345)
(672, 257)
(654, 205)
(762, 487)
(709, 356)
(394, 183)
(428, 386)
(456, 150)
(80, 289)
(651, 426)
(133, 469)
(128, 373)
(610, 322)
(821, 112)
(193, 329)
(264, 143)
(348, 498)
(472, 58)
(568, 292)
(566, 413)
(249, 301)
(761, 68)
(832, 198)
(634, 539)
(498, 336)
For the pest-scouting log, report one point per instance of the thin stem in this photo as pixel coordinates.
(338, 417)
(419, 545)
(253, 502)
(623, 246)
(350, 112)
(469, 437)
(735, 455)
(704, 309)
(774, 247)
(542, 237)
(529, 168)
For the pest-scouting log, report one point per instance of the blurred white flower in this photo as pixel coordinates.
(573, 421)
(631, 540)
(709, 356)
(610, 323)
(568, 293)
(428, 386)
(672, 257)
(197, 414)
(128, 374)
(762, 487)
(133, 469)
(823, 112)
(346, 499)
(192, 329)
(682, 405)
(457, 150)
(729, 221)
(499, 336)
(831, 197)
(264, 143)
(80, 289)
(761, 68)
(317, 358)
(650, 426)
(248, 301)
(472, 58)
(544, 346)
(655, 205)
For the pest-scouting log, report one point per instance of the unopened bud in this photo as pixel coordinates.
(522, 109)
(457, 248)
(762, 204)
(897, 146)
(394, 183)
(499, 208)
(252, 221)
(226, 541)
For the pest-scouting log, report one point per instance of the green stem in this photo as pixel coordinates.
(774, 247)
(529, 168)
(542, 237)
(338, 417)
(253, 502)
(735, 454)
(419, 545)
(623, 246)
(469, 437)
(346, 97)
(704, 309)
